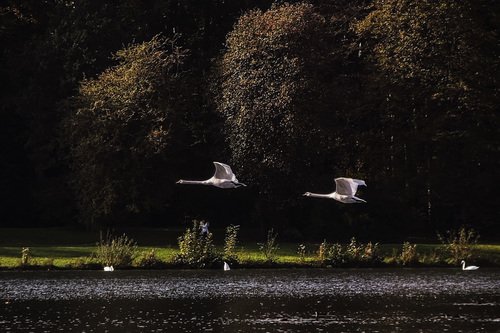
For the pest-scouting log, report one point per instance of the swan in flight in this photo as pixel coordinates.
(345, 191)
(223, 178)
(468, 268)
(226, 266)
(108, 268)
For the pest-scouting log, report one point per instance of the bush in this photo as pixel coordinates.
(196, 250)
(408, 254)
(270, 247)
(301, 251)
(330, 254)
(115, 251)
(354, 251)
(26, 257)
(370, 253)
(322, 252)
(353, 254)
(459, 245)
(230, 242)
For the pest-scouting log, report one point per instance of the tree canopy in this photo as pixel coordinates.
(123, 129)
(103, 105)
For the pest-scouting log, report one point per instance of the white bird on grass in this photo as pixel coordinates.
(226, 266)
(223, 178)
(108, 268)
(468, 268)
(345, 191)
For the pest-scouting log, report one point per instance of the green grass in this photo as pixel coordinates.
(70, 248)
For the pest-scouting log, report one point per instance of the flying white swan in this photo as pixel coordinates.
(226, 266)
(345, 191)
(468, 268)
(223, 178)
(108, 268)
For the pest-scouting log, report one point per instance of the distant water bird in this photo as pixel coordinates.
(345, 191)
(223, 178)
(108, 268)
(226, 266)
(468, 268)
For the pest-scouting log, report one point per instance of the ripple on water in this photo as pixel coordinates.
(251, 301)
(251, 283)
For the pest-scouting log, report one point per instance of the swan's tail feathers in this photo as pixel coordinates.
(358, 200)
(359, 182)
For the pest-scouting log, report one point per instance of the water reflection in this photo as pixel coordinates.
(413, 300)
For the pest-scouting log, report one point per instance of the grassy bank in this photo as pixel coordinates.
(73, 249)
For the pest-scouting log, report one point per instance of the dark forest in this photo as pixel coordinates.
(104, 105)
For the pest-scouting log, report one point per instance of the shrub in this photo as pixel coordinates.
(336, 254)
(301, 251)
(459, 245)
(354, 251)
(26, 257)
(196, 250)
(270, 247)
(330, 254)
(115, 251)
(322, 250)
(370, 252)
(230, 242)
(408, 254)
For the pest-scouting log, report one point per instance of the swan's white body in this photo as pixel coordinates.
(468, 268)
(345, 191)
(108, 268)
(223, 178)
(226, 266)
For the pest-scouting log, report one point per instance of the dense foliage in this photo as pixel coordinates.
(401, 93)
(196, 250)
(436, 62)
(116, 251)
(268, 76)
(122, 130)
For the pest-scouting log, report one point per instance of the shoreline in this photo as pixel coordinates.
(66, 249)
(482, 263)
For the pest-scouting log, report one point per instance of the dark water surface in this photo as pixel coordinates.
(285, 300)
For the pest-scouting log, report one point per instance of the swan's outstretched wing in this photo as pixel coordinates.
(348, 186)
(223, 171)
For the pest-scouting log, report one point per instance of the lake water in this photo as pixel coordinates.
(284, 300)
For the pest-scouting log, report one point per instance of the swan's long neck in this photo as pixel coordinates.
(317, 195)
(194, 182)
(463, 265)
